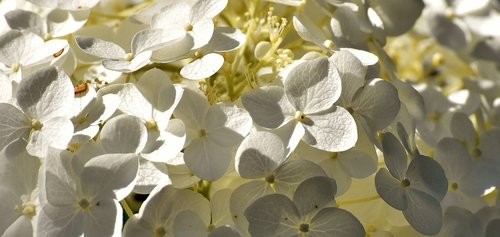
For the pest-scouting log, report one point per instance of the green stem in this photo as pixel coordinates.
(126, 208)
(356, 201)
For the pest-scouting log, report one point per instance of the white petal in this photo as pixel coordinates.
(426, 175)
(452, 34)
(394, 156)
(157, 87)
(358, 164)
(332, 130)
(291, 134)
(390, 190)
(268, 106)
(175, 15)
(259, 155)
(226, 231)
(292, 173)
(21, 227)
(273, 215)
(59, 192)
(133, 102)
(62, 22)
(45, 94)
(206, 159)
(164, 146)
(454, 158)
(110, 173)
(174, 51)
(25, 20)
(123, 65)
(104, 219)
(487, 49)
(188, 223)
(18, 47)
(244, 196)
(351, 71)
(124, 134)
(58, 132)
(336, 222)
(192, 109)
(204, 67)
(378, 103)
(423, 212)
(309, 31)
(313, 86)
(220, 204)
(151, 39)
(207, 8)
(227, 125)
(366, 58)
(55, 221)
(5, 88)
(100, 48)
(148, 177)
(225, 39)
(314, 193)
(202, 32)
(398, 16)
(13, 124)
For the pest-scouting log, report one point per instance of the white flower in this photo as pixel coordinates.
(307, 214)
(45, 98)
(261, 158)
(416, 189)
(94, 108)
(115, 58)
(207, 61)
(305, 108)
(211, 132)
(157, 214)
(458, 168)
(198, 223)
(153, 100)
(49, 26)
(21, 51)
(18, 189)
(84, 199)
(195, 19)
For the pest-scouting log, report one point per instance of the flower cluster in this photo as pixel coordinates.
(346, 118)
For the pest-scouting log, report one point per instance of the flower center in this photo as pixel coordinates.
(16, 67)
(202, 133)
(36, 124)
(270, 178)
(188, 27)
(151, 124)
(300, 117)
(304, 228)
(454, 186)
(405, 183)
(211, 227)
(160, 231)
(129, 57)
(29, 209)
(84, 204)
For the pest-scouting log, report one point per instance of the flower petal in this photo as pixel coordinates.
(259, 155)
(313, 86)
(332, 130)
(204, 67)
(45, 94)
(273, 215)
